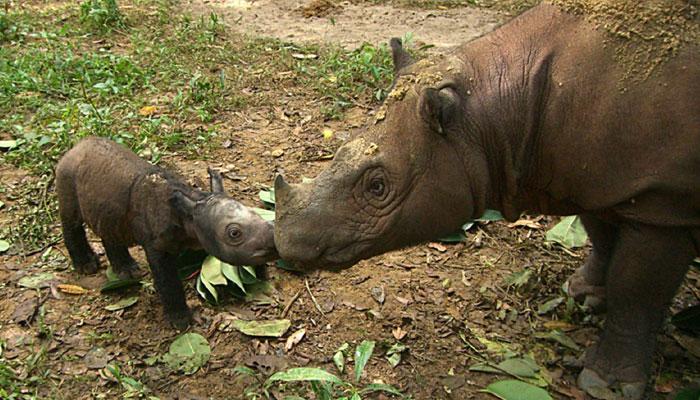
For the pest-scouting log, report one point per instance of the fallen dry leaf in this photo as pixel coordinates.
(294, 339)
(561, 325)
(147, 111)
(437, 246)
(71, 289)
(528, 223)
(403, 300)
(399, 333)
(378, 294)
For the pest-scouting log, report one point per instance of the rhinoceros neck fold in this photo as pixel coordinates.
(507, 93)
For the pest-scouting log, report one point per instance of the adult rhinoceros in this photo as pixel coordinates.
(561, 111)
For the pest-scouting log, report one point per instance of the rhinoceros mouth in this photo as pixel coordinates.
(336, 259)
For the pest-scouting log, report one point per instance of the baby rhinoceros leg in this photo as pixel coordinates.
(169, 287)
(587, 284)
(83, 257)
(646, 268)
(122, 263)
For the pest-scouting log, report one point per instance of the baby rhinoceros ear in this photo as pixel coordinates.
(182, 204)
(216, 181)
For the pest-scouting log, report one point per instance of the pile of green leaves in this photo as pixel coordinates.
(323, 384)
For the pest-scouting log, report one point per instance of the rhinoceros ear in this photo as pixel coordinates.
(400, 56)
(182, 204)
(438, 106)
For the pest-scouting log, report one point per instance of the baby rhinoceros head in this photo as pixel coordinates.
(227, 229)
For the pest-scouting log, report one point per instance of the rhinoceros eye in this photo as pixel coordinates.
(234, 232)
(377, 187)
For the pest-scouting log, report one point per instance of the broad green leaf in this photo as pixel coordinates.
(111, 285)
(356, 396)
(491, 215)
(380, 387)
(267, 196)
(559, 337)
(188, 353)
(37, 281)
(212, 271)
(303, 375)
(516, 390)
(519, 367)
(207, 290)
(122, 304)
(394, 359)
(259, 292)
(270, 328)
(231, 273)
(7, 144)
(267, 215)
(4, 245)
(484, 367)
(569, 232)
(247, 274)
(549, 305)
(362, 354)
(339, 361)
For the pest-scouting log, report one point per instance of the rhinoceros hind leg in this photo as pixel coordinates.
(123, 264)
(646, 268)
(587, 284)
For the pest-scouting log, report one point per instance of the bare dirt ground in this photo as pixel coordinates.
(439, 301)
(350, 24)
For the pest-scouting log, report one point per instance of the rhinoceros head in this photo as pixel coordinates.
(401, 181)
(225, 228)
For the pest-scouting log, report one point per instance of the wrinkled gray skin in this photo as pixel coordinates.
(529, 117)
(126, 201)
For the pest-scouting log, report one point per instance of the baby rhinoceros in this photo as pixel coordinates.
(127, 201)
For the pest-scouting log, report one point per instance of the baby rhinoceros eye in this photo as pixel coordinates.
(233, 231)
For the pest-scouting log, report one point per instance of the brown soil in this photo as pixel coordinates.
(349, 24)
(443, 298)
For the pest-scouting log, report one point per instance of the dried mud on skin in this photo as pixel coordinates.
(644, 34)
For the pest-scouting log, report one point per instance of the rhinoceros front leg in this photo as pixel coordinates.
(169, 287)
(646, 268)
(587, 284)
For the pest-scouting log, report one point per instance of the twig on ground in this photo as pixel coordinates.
(289, 304)
(313, 299)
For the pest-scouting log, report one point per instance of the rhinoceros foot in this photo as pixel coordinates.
(131, 271)
(597, 387)
(592, 296)
(90, 267)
